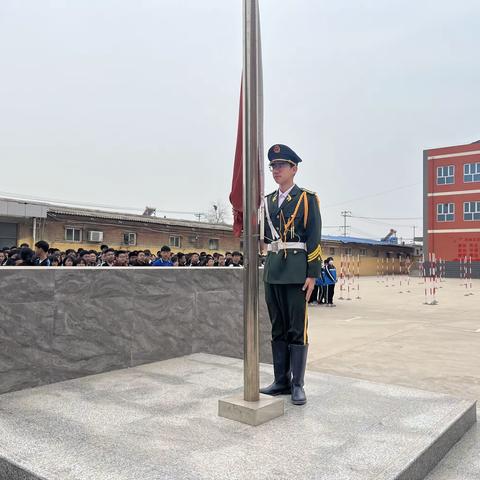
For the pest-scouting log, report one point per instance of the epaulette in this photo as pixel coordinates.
(308, 191)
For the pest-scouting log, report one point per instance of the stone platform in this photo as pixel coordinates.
(159, 421)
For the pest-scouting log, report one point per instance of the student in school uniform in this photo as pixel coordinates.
(329, 279)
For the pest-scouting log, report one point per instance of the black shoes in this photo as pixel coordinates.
(281, 370)
(298, 362)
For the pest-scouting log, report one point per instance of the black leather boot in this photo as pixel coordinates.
(298, 362)
(281, 370)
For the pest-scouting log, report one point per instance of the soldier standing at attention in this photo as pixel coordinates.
(292, 234)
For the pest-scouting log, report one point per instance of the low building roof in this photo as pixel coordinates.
(358, 240)
(129, 217)
(55, 209)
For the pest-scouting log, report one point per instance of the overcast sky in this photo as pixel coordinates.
(124, 103)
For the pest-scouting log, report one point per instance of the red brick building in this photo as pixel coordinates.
(451, 205)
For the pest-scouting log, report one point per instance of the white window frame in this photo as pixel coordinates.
(175, 241)
(129, 242)
(348, 251)
(472, 209)
(214, 240)
(444, 210)
(363, 252)
(73, 234)
(471, 172)
(446, 175)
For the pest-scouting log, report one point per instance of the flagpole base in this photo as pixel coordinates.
(252, 413)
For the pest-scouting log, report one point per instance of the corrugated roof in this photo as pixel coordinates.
(129, 217)
(366, 241)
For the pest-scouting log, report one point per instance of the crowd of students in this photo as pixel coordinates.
(43, 255)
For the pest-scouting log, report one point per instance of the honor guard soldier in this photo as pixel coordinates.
(292, 234)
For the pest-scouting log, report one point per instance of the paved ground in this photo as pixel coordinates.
(392, 337)
(159, 421)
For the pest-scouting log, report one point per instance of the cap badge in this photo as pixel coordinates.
(276, 149)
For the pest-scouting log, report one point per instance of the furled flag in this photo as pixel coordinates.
(236, 194)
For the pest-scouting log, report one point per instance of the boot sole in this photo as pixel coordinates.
(276, 394)
(299, 402)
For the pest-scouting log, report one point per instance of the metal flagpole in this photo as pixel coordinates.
(251, 233)
(251, 407)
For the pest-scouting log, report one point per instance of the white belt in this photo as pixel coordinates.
(277, 246)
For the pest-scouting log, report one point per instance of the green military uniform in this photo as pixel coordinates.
(292, 235)
(297, 221)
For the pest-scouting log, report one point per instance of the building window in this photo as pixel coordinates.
(175, 242)
(213, 244)
(363, 252)
(445, 212)
(332, 250)
(129, 238)
(376, 253)
(471, 172)
(73, 234)
(94, 236)
(445, 175)
(471, 211)
(348, 251)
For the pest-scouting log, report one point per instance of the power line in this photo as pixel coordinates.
(20, 197)
(388, 218)
(372, 195)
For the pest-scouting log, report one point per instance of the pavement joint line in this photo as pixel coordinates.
(367, 343)
(449, 327)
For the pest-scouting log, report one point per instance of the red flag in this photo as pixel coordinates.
(236, 195)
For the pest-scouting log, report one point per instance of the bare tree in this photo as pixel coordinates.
(217, 212)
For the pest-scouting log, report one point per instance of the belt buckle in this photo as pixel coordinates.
(275, 247)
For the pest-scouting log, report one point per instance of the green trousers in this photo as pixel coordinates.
(287, 308)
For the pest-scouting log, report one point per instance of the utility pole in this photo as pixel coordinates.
(414, 227)
(345, 214)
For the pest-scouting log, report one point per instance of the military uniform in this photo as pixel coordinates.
(292, 235)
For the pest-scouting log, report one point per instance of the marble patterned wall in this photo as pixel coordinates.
(58, 324)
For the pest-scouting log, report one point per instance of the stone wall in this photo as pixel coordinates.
(58, 324)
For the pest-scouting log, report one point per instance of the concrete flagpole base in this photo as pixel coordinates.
(252, 413)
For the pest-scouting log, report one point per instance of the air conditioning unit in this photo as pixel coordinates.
(95, 236)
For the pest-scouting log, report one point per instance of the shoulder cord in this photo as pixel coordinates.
(303, 197)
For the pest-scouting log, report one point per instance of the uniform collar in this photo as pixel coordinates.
(291, 194)
(284, 194)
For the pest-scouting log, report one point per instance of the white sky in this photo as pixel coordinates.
(127, 103)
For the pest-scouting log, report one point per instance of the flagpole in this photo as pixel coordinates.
(251, 234)
(250, 407)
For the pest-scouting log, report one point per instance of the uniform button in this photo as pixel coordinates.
(278, 216)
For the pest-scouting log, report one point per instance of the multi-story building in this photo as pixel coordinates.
(451, 204)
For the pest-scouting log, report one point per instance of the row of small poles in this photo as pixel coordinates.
(431, 272)
(466, 274)
(349, 278)
(386, 268)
